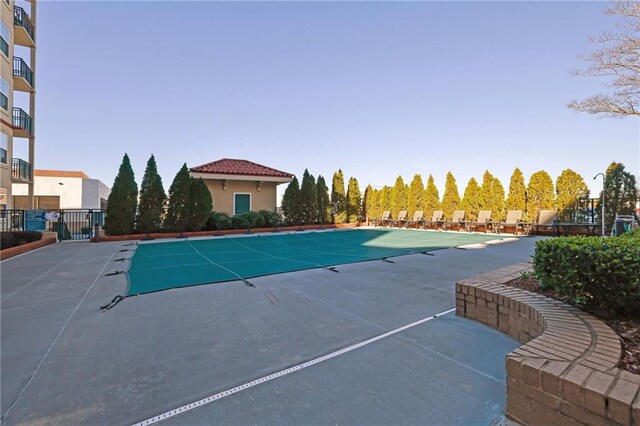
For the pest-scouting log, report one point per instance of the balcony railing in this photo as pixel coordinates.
(22, 120)
(21, 19)
(21, 170)
(21, 69)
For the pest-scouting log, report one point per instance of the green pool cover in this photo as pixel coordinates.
(161, 266)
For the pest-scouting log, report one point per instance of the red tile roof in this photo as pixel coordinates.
(60, 173)
(230, 166)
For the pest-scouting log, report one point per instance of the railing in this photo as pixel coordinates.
(21, 69)
(74, 224)
(20, 169)
(21, 19)
(22, 120)
(582, 210)
(12, 220)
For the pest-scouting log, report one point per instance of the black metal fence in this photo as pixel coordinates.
(12, 220)
(76, 224)
(584, 210)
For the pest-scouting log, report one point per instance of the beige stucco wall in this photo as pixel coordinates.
(263, 199)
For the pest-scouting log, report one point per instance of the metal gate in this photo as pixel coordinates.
(76, 224)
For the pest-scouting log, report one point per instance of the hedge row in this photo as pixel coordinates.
(600, 275)
(248, 220)
(17, 238)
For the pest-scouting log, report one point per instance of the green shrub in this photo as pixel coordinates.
(634, 233)
(218, 221)
(247, 220)
(269, 218)
(601, 275)
(17, 238)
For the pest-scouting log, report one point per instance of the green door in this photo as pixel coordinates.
(242, 203)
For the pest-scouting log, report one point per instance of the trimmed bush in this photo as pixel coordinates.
(218, 221)
(600, 275)
(17, 238)
(247, 220)
(634, 233)
(269, 218)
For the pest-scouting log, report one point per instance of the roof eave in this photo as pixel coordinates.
(254, 178)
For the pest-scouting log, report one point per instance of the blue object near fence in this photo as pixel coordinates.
(35, 220)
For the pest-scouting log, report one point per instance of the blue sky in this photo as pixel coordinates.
(377, 89)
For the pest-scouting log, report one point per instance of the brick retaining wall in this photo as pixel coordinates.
(107, 238)
(565, 372)
(24, 248)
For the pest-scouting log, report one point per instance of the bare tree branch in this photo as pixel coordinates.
(618, 59)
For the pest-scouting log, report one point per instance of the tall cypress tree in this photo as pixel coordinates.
(486, 198)
(178, 207)
(122, 202)
(571, 194)
(431, 198)
(398, 197)
(324, 203)
(152, 199)
(291, 202)
(472, 200)
(309, 198)
(416, 195)
(451, 197)
(497, 195)
(385, 199)
(353, 201)
(517, 199)
(199, 205)
(621, 192)
(492, 196)
(376, 211)
(539, 194)
(368, 204)
(338, 198)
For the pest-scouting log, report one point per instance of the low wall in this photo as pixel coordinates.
(565, 372)
(24, 248)
(160, 235)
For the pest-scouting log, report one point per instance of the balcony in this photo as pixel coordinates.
(21, 171)
(24, 33)
(22, 124)
(22, 76)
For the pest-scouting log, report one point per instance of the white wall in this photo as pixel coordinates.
(74, 193)
(92, 191)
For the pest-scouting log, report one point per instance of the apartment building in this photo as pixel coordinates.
(17, 97)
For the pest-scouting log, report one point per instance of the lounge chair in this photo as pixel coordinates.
(546, 218)
(401, 220)
(513, 220)
(483, 220)
(417, 219)
(436, 219)
(386, 217)
(456, 220)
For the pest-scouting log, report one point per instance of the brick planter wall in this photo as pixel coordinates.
(565, 373)
(24, 248)
(106, 238)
